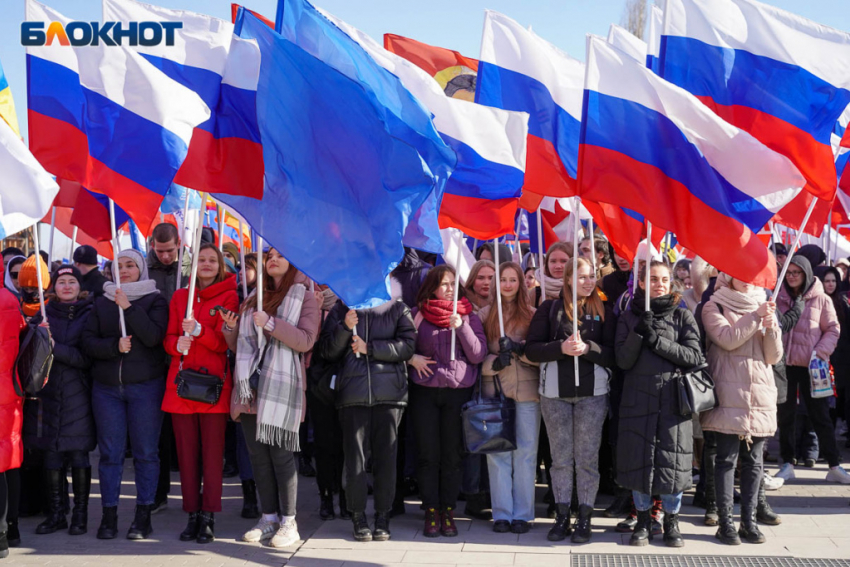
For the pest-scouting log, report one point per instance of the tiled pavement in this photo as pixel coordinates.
(816, 524)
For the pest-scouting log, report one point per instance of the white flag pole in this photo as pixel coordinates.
(592, 242)
(116, 249)
(576, 205)
(498, 288)
(260, 284)
(457, 294)
(542, 254)
(182, 243)
(242, 261)
(52, 232)
(794, 247)
(648, 257)
(196, 249)
(38, 275)
(73, 243)
(220, 209)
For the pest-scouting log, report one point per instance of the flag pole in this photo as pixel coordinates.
(73, 243)
(592, 244)
(220, 209)
(38, 276)
(541, 253)
(648, 260)
(457, 295)
(517, 247)
(52, 231)
(196, 249)
(498, 288)
(182, 240)
(260, 285)
(242, 261)
(116, 249)
(574, 284)
(829, 237)
(797, 237)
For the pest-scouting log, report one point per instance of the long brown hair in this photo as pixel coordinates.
(473, 275)
(564, 247)
(222, 272)
(592, 304)
(272, 295)
(517, 313)
(432, 283)
(677, 297)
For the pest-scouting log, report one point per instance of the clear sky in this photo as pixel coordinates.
(454, 24)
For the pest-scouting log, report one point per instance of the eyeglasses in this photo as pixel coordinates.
(795, 273)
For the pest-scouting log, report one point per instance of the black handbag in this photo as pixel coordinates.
(254, 378)
(198, 385)
(696, 391)
(34, 360)
(489, 424)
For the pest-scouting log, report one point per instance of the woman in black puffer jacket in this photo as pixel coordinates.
(655, 442)
(371, 393)
(59, 422)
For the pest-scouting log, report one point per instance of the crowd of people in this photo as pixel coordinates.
(380, 391)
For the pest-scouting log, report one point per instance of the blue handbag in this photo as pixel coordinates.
(489, 424)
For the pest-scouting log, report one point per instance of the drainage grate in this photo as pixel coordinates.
(606, 560)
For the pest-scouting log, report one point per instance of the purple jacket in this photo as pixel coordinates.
(436, 343)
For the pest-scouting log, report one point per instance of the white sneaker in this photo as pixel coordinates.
(773, 482)
(786, 472)
(286, 535)
(263, 530)
(838, 474)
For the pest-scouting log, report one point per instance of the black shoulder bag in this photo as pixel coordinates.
(489, 424)
(198, 385)
(34, 360)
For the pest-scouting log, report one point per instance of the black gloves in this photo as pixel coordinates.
(645, 329)
(506, 344)
(502, 361)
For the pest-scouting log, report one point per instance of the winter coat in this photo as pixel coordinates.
(93, 282)
(818, 327)
(614, 285)
(521, 379)
(655, 443)
(380, 376)
(61, 418)
(164, 276)
(740, 356)
(208, 350)
(11, 405)
(550, 327)
(409, 274)
(436, 343)
(147, 321)
(840, 358)
(300, 338)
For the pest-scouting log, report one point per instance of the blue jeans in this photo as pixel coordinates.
(670, 503)
(243, 459)
(513, 474)
(134, 408)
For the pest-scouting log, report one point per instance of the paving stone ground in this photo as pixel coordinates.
(816, 524)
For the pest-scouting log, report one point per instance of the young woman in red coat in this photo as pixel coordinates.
(197, 424)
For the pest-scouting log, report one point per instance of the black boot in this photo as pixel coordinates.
(56, 519)
(13, 534)
(81, 482)
(643, 529)
(726, 532)
(305, 467)
(622, 505)
(344, 514)
(108, 523)
(672, 536)
(749, 527)
(326, 506)
(764, 513)
(561, 529)
(4, 545)
(382, 527)
(712, 516)
(250, 510)
(206, 527)
(628, 525)
(191, 531)
(361, 527)
(141, 527)
(582, 531)
(476, 506)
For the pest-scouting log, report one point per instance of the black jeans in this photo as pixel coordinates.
(166, 444)
(327, 441)
(818, 410)
(435, 417)
(729, 448)
(368, 430)
(274, 471)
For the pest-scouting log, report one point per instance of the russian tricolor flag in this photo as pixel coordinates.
(225, 154)
(780, 77)
(652, 147)
(653, 44)
(520, 71)
(105, 117)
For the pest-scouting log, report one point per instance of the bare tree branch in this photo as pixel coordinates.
(634, 17)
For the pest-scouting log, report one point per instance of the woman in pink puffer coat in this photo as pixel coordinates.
(740, 357)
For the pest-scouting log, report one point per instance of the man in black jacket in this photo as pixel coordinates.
(85, 260)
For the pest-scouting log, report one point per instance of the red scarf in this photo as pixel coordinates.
(439, 311)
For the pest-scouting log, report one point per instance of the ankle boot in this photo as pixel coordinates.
(582, 531)
(326, 506)
(141, 527)
(206, 527)
(191, 531)
(361, 527)
(13, 534)
(712, 516)
(621, 505)
(344, 514)
(108, 523)
(561, 529)
(250, 510)
(628, 525)
(643, 529)
(81, 483)
(726, 532)
(56, 519)
(749, 530)
(382, 527)
(764, 513)
(672, 536)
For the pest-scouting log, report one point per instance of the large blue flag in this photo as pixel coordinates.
(343, 176)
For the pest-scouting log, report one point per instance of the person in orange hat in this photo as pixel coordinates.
(28, 280)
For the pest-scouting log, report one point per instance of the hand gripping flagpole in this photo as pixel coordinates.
(574, 285)
(38, 274)
(182, 243)
(196, 250)
(498, 288)
(116, 249)
(797, 237)
(457, 294)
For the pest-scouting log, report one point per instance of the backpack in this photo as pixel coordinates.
(34, 361)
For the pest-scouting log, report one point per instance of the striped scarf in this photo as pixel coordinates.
(279, 396)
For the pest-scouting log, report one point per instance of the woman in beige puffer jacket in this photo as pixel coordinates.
(740, 357)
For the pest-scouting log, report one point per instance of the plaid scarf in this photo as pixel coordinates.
(279, 399)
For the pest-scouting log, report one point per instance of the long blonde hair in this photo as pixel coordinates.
(517, 312)
(592, 304)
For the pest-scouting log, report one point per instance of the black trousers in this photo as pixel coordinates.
(327, 441)
(818, 410)
(435, 418)
(275, 471)
(729, 448)
(368, 430)
(166, 445)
